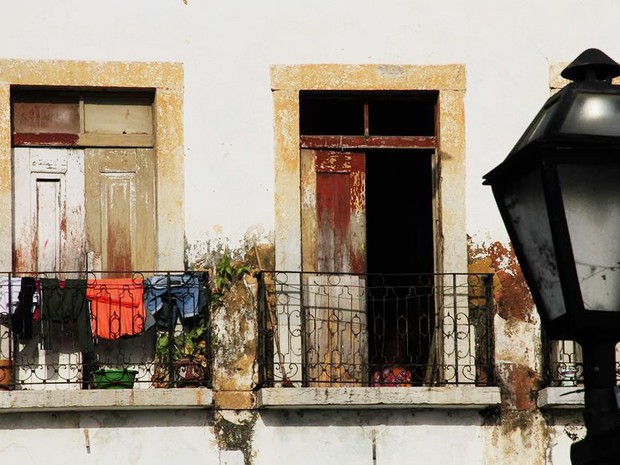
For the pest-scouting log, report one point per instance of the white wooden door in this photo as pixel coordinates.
(49, 224)
(49, 216)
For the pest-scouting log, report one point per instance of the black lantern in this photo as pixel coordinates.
(559, 195)
(558, 192)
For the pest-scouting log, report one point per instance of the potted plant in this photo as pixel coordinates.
(114, 378)
(184, 356)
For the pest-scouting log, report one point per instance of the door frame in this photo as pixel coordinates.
(287, 81)
(166, 79)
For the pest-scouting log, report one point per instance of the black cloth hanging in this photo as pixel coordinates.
(64, 308)
(22, 318)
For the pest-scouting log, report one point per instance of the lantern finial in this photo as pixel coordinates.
(592, 64)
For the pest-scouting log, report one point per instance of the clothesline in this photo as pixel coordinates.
(103, 308)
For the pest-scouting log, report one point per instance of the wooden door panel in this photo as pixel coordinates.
(120, 209)
(333, 192)
(334, 241)
(118, 220)
(333, 211)
(48, 209)
(48, 223)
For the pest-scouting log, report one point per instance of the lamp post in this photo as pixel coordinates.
(558, 192)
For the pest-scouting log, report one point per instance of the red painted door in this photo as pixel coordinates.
(334, 253)
(340, 193)
(333, 211)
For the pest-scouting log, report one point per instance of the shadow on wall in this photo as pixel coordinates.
(371, 417)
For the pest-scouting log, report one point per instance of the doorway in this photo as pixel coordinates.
(400, 258)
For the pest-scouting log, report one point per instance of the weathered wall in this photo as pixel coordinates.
(227, 49)
(519, 431)
(297, 437)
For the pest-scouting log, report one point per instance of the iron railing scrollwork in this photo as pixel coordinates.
(337, 329)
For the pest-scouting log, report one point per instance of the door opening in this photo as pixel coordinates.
(400, 258)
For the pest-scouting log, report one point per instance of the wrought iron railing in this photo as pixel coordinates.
(563, 363)
(77, 330)
(335, 329)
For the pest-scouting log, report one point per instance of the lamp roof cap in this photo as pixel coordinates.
(592, 63)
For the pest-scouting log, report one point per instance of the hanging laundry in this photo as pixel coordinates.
(22, 319)
(117, 307)
(165, 295)
(9, 294)
(64, 309)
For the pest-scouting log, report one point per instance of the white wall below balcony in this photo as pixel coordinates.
(162, 437)
(295, 437)
(370, 438)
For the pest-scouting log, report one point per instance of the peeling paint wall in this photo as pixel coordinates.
(234, 334)
(519, 431)
(227, 78)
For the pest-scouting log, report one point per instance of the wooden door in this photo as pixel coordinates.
(334, 251)
(48, 209)
(49, 237)
(333, 211)
(120, 209)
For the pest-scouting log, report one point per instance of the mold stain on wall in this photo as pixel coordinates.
(234, 432)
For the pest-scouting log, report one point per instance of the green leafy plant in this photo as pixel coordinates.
(182, 360)
(227, 273)
(191, 344)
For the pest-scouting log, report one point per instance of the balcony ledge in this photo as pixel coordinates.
(101, 399)
(561, 398)
(461, 397)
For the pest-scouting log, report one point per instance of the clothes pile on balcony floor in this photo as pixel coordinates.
(392, 377)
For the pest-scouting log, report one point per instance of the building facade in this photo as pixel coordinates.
(256, 233)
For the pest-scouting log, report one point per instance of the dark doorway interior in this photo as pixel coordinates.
(400, 258)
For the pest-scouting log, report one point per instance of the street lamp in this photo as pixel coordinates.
(558, 192)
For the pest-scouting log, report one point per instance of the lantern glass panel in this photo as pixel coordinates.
(591, 195)
(523, 202)
(538, 127)
(593, 114)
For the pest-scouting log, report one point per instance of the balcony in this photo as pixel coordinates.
(563, 374)
(75, 331)
(343, 331)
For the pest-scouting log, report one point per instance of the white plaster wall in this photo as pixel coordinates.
(347, 436)
(379, 437)
(227, 48)
(130, 437)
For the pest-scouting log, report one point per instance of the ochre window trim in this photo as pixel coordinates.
(287, 81)
(167, 81)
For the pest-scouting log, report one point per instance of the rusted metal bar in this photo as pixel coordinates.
(61, 139)
(370, 142)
